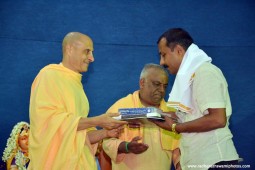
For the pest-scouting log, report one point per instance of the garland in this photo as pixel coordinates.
(12, 148)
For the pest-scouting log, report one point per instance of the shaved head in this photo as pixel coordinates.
(77, 51)
(77, 38)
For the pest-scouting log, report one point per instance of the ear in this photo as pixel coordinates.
(180, 50)
(69, 49)
(141, 83)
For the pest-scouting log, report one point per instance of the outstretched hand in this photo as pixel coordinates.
(135, 147)
(106, 121)
(172, 115)
(113, 133)
(167, 124)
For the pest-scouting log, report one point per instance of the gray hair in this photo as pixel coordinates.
(149, 66)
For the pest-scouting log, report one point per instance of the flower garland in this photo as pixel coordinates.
(21, 160)
(12, 148)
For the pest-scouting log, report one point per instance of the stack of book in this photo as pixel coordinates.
(138, 113)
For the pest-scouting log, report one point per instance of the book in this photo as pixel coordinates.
(138, 113)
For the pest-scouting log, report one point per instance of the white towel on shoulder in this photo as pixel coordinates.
(180, 95)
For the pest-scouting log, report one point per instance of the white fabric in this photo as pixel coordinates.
(180, 95)
(209, 90)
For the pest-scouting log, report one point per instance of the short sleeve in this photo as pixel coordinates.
(209, 88)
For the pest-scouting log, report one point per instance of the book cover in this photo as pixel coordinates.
(135, 113)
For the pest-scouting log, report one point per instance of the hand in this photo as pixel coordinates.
(167, 124)
(135, 147)
(178, 166)
(106, 121)
(172, 115)
(113, 133)
(176, 154)
(134, 123)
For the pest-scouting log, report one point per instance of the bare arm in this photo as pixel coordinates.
(105, 121)
(214, 120)
(176, 158)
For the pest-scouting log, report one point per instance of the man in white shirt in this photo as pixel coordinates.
(200, 95)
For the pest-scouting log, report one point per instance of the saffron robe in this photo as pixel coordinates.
(57, 103)
(161, 142)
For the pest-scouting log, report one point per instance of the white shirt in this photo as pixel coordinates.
(209, 90)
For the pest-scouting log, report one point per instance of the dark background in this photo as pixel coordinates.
(125, 35)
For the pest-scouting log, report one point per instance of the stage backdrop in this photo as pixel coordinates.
(125, 35)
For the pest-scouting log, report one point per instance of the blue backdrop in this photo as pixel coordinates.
(125, 35)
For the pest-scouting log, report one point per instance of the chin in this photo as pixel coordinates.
(84, 70)
(157, 101)
(171, 72)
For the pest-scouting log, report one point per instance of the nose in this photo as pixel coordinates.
(162, 88)
(91, 57)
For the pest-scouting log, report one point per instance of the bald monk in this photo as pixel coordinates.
(61, 135)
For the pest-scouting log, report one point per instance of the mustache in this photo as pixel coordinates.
(160, 94)
(165, 66)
